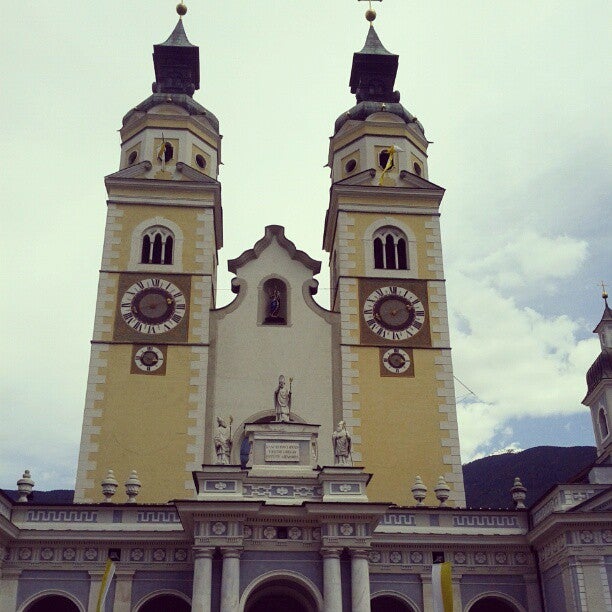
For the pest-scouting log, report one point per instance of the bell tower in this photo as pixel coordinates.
(147, 385)
(599, 387)
(382, 232)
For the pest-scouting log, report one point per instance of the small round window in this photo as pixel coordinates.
(417, 169)
(133, 157)
(350, 166)
(200, 161)
(383, 159)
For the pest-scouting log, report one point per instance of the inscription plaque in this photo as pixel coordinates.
(282, 452)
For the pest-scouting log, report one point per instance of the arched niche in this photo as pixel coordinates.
(273, 302)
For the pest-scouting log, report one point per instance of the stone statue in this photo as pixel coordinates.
(275, 303)
(223, 441)
(282, 400)
(341, 441)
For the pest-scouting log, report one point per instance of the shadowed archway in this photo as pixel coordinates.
(165, 603)
(52, 603)
(389, 603)
(281, 595)
(493, 604)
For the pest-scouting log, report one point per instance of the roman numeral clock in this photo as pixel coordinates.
(395, 317)
(151, 313)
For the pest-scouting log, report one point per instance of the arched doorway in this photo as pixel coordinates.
(389, 603)
(281, 595)
(53, 603)
(493, 604)
(165, 603)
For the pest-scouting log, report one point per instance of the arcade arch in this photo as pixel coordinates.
(285, 592)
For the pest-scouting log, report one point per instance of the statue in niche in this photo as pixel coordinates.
(341, 441)
(223, 441)
(282, 400)
(275, 296)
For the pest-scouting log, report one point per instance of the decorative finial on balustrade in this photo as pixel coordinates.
(25, 485)
(419, 490)
(442, 491)
(132, 487)
(109, 486)
(519, 493)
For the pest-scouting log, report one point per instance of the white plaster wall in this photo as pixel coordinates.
(250, 356)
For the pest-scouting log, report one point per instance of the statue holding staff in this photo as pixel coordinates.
(341, 441)
(282, 400)
(223, 441)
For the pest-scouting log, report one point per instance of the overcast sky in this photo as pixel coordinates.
(515, 97)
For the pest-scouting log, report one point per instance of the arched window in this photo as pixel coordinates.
(603, 424)
(390, 252)
(157, 245)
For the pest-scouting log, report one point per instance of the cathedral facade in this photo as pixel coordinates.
(266, 441)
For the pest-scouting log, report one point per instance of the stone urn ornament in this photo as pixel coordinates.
(109, 486)
(25, 485)
(519, 494)
(132, 487)
(419, 490)
(442, 491)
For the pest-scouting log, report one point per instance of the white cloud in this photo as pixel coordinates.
(517, 361)
(529, 258)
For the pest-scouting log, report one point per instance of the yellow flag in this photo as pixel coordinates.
(442, 587)
(107, 578)
(388, 165)
(162, 149)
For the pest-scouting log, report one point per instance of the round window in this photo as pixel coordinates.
(350, 166)
(417, 169)
(200, 161)
(133, 157)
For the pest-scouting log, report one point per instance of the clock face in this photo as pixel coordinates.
(393, 313)
(396, 360)
(149, 358)
(153, 306)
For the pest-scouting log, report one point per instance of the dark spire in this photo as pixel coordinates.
(177, 64)
(374, 71)
(607, 314)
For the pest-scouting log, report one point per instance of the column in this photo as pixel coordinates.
(123, 591)
(332, 580)
(360, 581)
(202, 580)
(230, 579)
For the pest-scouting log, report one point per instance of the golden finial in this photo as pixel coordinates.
(604, 293)
(181, 9)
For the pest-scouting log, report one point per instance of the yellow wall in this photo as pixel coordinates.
(400, 427)
(144, 426)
